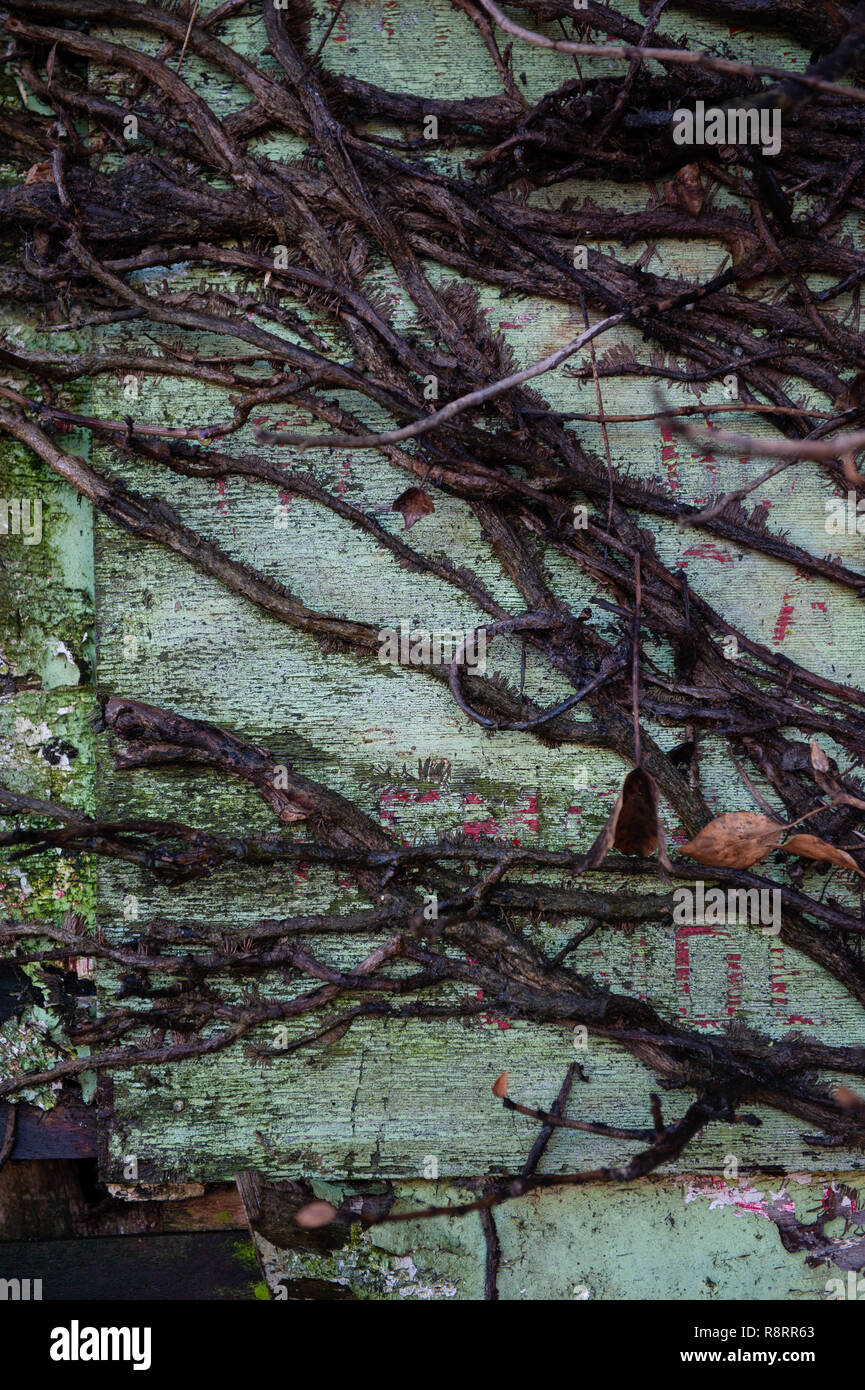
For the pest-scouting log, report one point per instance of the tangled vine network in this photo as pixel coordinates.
(91, 207)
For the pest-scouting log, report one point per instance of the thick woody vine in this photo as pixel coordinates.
(91, 207)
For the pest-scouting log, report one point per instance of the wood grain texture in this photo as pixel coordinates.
(384, 1099)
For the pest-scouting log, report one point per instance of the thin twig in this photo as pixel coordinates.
(188, 32)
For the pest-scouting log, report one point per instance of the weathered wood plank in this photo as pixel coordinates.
(67, 1131)
(382, 1101)
(58, 1199)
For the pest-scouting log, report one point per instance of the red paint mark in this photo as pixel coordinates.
(525, 817)
(391, 797)
(386, 801)
(340, 33)
(778, 987)
(519, 321)
(784, 620)
(342, 483)
(800, 1018)
(753, 1207)
(220, 488)
(476, 828)
(390, 7)
(708, 551)
(480, 827)
(683, 962)
(735, 981)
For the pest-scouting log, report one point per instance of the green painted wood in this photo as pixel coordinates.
(697, 1239)
(383, 1100)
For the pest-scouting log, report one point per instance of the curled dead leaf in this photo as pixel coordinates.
(315, 1214)
(735, 841)
(811, 847)
(819, 761)
(39, 173)
(413, 503)
(828, 783)
(634, 826)
(849, 1099)
(686, 190)
(500, 1086)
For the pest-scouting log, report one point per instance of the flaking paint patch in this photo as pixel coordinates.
(359, 1266)
(746, 1200)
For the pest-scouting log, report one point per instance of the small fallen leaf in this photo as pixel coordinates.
(638, 829)
(315, 1214)
(810, 847)
(634, 827)
(822, 769)
(819, 761)
(500, 1086)
(413, 503)
(735, 841)
(849, 1099)
(39, 173)
(686, 190)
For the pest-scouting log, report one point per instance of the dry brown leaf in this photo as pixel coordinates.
(822, 769)
(810, 847)
(849, 1099)
(638, 829)
(39, 173)
(735, 841)
(686, 190)
(634, 827)
(413, 503)
(842, 798)
(315, 1214)
(500, 1086)
(819, 761)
